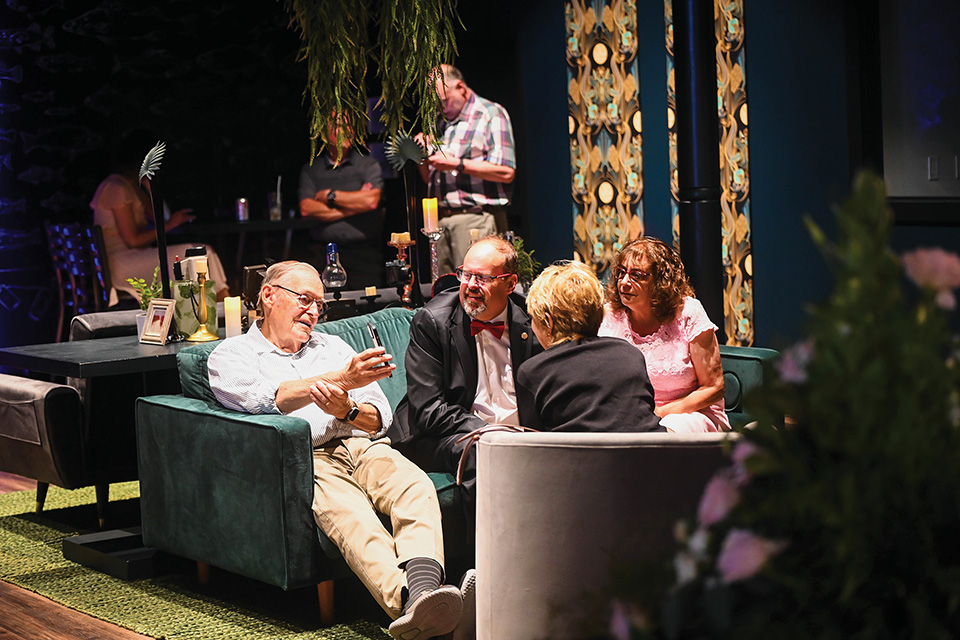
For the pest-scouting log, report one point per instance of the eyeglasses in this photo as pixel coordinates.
(305, 301)
(484, 280)
(636, 276)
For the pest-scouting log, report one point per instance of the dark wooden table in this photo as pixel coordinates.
(124, 355)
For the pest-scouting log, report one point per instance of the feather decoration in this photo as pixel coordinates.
(404, 148)
(151, 162)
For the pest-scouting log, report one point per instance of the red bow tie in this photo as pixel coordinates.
(496, 328)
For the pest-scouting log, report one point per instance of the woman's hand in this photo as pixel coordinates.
(179, 217)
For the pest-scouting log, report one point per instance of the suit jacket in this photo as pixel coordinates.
(590, 384)
(441, 363)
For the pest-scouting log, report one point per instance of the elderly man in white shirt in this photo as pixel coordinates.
(283, 366)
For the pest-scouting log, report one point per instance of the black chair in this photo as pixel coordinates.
(82, 271)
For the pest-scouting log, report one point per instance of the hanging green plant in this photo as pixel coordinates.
(412, 39)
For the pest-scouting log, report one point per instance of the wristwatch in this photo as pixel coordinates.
(353, 413)
(458, 170)
(331, 196)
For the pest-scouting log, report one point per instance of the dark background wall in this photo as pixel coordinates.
(219, 81)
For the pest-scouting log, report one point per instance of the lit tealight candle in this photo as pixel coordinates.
(231, 312)
(430, 214)
(370, 291)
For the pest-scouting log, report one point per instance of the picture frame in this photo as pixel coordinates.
(159, 316)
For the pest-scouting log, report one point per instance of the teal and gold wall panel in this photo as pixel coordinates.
(604, 126)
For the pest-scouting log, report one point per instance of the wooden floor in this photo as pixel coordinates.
(25, 615)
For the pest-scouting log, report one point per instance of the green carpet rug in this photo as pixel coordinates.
(172, 607)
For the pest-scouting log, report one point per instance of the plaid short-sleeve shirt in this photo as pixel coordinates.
(482, 131)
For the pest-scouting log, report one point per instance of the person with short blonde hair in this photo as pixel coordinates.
(567, 300)
(581, 382)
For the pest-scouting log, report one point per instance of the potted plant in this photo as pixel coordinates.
(527, 266)
(841, 523)
(146, 293)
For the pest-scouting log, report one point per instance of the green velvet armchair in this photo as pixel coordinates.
(234, 491)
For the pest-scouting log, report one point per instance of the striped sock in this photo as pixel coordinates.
(423, 574)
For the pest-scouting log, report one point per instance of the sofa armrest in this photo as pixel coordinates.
(230, 489)
(42, 431)
(743, 370)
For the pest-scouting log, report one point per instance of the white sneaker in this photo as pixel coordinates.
(467, 629)
(434, 613)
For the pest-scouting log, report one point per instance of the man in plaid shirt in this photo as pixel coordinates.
(471, 172)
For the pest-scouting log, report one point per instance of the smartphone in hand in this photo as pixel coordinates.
(375, 338)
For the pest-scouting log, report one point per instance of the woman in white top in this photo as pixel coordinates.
(122, 209)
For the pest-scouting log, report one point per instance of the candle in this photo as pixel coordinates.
(201, 265)
(430, 214)
(231, 312)
(394, 237)
(370, 291)
(474, 235)
(403, 237)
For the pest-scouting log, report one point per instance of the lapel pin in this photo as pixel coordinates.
(523, 336)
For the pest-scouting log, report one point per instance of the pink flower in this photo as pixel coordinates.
(743, 554)
(619, 624)
(744, 450)
(624, 618)
(935, 269)
(685, 566)
(792, 365)
(719, 497)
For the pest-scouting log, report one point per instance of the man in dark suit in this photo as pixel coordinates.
(465, 349)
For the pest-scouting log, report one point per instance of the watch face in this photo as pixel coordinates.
(353, 413)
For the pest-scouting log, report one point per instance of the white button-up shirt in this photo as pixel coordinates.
(246, 371)
(496, 401)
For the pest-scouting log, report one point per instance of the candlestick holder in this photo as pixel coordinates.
(400, 272)
(433, 235)
(202, 334)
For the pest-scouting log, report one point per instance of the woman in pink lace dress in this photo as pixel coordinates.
(650, 304)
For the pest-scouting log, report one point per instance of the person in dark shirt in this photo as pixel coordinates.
(581, 382)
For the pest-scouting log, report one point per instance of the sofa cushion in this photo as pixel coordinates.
(393, 325)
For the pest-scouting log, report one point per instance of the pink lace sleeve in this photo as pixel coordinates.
(694, 320)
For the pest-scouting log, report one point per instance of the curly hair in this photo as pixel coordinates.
(571, 295)
(669, 284)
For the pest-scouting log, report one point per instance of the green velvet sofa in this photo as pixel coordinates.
(234, 491)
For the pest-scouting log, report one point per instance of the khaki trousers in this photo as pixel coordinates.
(353, 479)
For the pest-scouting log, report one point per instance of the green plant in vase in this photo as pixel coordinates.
(147, 292)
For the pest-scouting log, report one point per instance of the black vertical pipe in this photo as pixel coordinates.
(698, 155)
(151, 188)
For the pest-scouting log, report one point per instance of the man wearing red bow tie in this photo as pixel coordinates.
(465, 349)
